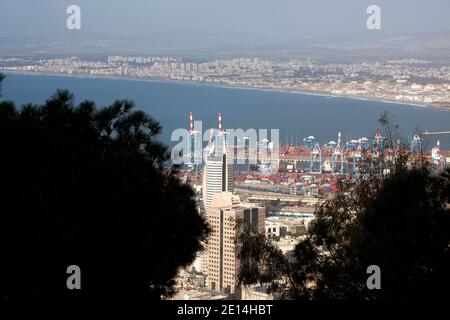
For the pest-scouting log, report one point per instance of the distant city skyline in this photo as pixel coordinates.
(405, 80)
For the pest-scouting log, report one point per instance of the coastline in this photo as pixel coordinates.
(231, 86)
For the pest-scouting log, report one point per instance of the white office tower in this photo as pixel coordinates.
(218, 170)
(223, 217)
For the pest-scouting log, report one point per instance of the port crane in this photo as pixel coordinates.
(337, 160)
(428, 133)
(358, 158)
(316, 156)
(417, 141)
(436, 156)
(416, 145)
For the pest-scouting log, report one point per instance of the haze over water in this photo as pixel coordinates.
(298, 115)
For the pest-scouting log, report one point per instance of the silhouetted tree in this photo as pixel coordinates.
(2, 77)
(400, 223)
(90, 187)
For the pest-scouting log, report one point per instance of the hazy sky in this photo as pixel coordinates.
(300, 17)
(226, 27)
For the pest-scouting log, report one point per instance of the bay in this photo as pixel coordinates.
(296, 115)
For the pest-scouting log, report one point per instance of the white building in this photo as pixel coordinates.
(218, 171)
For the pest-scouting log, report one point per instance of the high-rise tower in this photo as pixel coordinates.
(225, 213)
(218, 170)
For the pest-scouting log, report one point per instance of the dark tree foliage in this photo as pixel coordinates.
(400, 223)
(90, 187)
(2, 77)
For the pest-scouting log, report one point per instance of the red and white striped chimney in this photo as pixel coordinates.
(191, 123)
(220, 122)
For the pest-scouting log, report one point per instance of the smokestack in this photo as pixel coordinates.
(220, 122)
